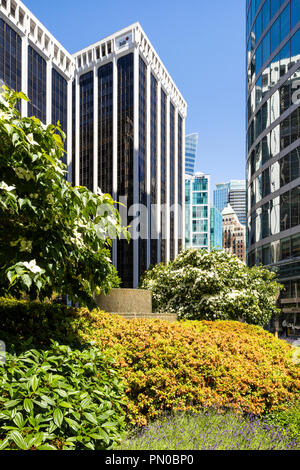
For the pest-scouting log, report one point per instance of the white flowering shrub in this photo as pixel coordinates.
(213, 286)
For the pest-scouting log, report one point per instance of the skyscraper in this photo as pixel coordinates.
(234, 234)
(197, 211)
(124, 119)
(234, 193)
(191, 143)
(130, 127)
(33, 61)
(273, 144)
(216, 229)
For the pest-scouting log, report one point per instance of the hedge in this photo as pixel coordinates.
(170, 366)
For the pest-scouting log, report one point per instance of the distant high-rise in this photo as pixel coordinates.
(216, 229)
(197, 211)
(191, 144)
(234, 234)
(234, 193)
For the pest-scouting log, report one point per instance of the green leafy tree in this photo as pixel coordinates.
(54, 238)
(213, 286)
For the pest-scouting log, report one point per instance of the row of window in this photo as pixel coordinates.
(281, 250)
(276, 216)
(277, 67)
(267, 11)
(281, 173)
(280, 28)
(280, 137)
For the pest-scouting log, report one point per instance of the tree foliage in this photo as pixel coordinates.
(53, 237)
(213, 286)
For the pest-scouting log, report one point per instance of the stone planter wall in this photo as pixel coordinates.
(130, 303)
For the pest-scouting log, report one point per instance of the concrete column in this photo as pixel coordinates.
(159, 228)
(24, 76)
(77, 133)
(176, 181)
(168, 181)
(136, 161)
(148, 159)
(95, 172)
(183, 184)
(115, 148)
(69, 132)
(48, 92)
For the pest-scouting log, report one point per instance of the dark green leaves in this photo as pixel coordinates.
(56, 399)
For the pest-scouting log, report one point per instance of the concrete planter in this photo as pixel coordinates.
(126, 301)
(130, 303)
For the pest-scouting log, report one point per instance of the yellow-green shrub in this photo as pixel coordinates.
(169, 366)
(189, 365)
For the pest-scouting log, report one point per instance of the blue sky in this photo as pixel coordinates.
(201, 43)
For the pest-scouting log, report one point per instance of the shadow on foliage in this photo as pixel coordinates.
(32, 325)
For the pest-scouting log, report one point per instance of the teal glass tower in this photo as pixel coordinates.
(191, 144)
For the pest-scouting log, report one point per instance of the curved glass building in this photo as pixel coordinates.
(273, 145)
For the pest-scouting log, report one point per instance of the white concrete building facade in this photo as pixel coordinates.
(124, 119)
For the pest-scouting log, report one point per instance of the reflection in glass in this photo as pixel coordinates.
(295, 164)
(275, 252)
(275, 141)
(275, 216)
(258, 225)
(285, 170)
(275, 106)
(275, 177)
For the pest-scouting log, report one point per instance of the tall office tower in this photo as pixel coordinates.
(197, 211)
(216, 229)
(33, 61)
(237, 200)
(273, 144)
(234, 234)
(125, 124)
(130, 127)
(234, 193)
(191, 143)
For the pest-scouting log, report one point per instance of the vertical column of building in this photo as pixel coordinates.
(209, 205)
(158, 178)
(95, 131)
(24, 76)
(180, 181)
(168, 186)
(183, 208)
(163, 167)
(49, 87)
(148, 162)
(136, 160)
(77, 132)
(176, 171)
(69, 130)
(115, 151)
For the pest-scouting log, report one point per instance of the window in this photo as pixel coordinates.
(200, 198)
(296, 246)
(295, 12)
(285, 25)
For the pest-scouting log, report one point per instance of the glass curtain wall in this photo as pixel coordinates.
(273, 138)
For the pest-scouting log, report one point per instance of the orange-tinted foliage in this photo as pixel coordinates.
(188, 365)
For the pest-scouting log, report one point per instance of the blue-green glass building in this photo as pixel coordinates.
(197, 211)
(191, 145)
(216, 229)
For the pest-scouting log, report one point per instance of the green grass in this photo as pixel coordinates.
(210, 430)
